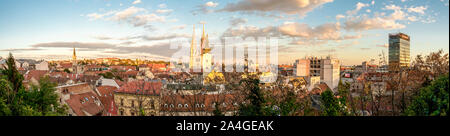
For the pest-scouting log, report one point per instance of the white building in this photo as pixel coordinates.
(327, 68)
(43, 65)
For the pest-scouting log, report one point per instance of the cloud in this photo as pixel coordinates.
(238, 21)
(141, 20)
(164, 37)
(359, 6)
(383, 45)
(102, 37)
(19, 49)
(159, 49)
(300, 7)
(162, 6)
(301, 34)
(127, 13)
(419, 9)
(95, 16)
(339, 16)
(74, 45)
(178, 27)
(329, 31)
(250, 31)
(211, 4)
(164, 11)
(205, 8)
(137, 2)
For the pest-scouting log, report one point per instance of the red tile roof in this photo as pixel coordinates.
(141, 87)
(65, 65)
(36, 74)
(107, 99)
(85, 104)
(322, 87)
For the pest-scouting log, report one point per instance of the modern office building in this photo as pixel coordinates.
(399, 51)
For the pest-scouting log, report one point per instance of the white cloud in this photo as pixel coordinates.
(419, 9)
(137, 2)
(339, 16)
(162, 6)
(211, 4)
(359, 6)
(127, 13)
(141, 20)
(164, 11)
(300, 7)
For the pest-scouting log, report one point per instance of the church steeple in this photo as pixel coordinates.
(74, 57)
(191, 61)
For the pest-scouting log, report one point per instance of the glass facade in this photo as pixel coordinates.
(399, 51)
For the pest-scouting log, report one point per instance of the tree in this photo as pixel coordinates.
(255, 96)
(15, 100)
(433, 100)
(332, 106)
(67, 70)
(13, 74)
(43, 98)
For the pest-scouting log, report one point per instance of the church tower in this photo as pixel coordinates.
(74, 61)
(192, 55)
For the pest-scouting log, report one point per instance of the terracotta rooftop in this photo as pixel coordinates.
(106, 95)
(141, 87)
(85, 104)
(36, 74)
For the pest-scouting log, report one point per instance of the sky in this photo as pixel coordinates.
(350, 30)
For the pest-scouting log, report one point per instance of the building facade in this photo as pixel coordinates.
(138, 98)
(399, 51)
(327, 68)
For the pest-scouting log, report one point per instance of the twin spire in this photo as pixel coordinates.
(204, 47)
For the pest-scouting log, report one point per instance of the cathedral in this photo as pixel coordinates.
(200, 58)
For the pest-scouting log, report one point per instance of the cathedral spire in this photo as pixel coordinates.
(74, 57)
(191, 61)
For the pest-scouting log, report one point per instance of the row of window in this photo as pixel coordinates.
(196, 105)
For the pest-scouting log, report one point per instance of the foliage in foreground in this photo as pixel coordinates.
(16, 100)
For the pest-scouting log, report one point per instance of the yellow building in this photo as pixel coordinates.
(138, 98)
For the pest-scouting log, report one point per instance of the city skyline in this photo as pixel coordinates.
(136, 28)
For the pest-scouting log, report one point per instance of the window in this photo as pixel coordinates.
(203, 105)
(171, 106)
(152, 104)
(180, 106)
(186, 105)
(197, 105)
(121, 112)
(121, 101)
(165, 105)
(132, 103)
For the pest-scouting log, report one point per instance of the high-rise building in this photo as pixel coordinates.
(327, 68)
(399, 51)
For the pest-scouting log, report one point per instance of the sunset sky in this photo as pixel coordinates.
(350, 30)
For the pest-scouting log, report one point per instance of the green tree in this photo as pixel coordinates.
(13, 74)
(67, 70)
(16, 101)
(432, 100)
(255, 96)
(332, 106)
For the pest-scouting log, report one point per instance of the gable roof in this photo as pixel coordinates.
(85, 104)
(141, 87)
